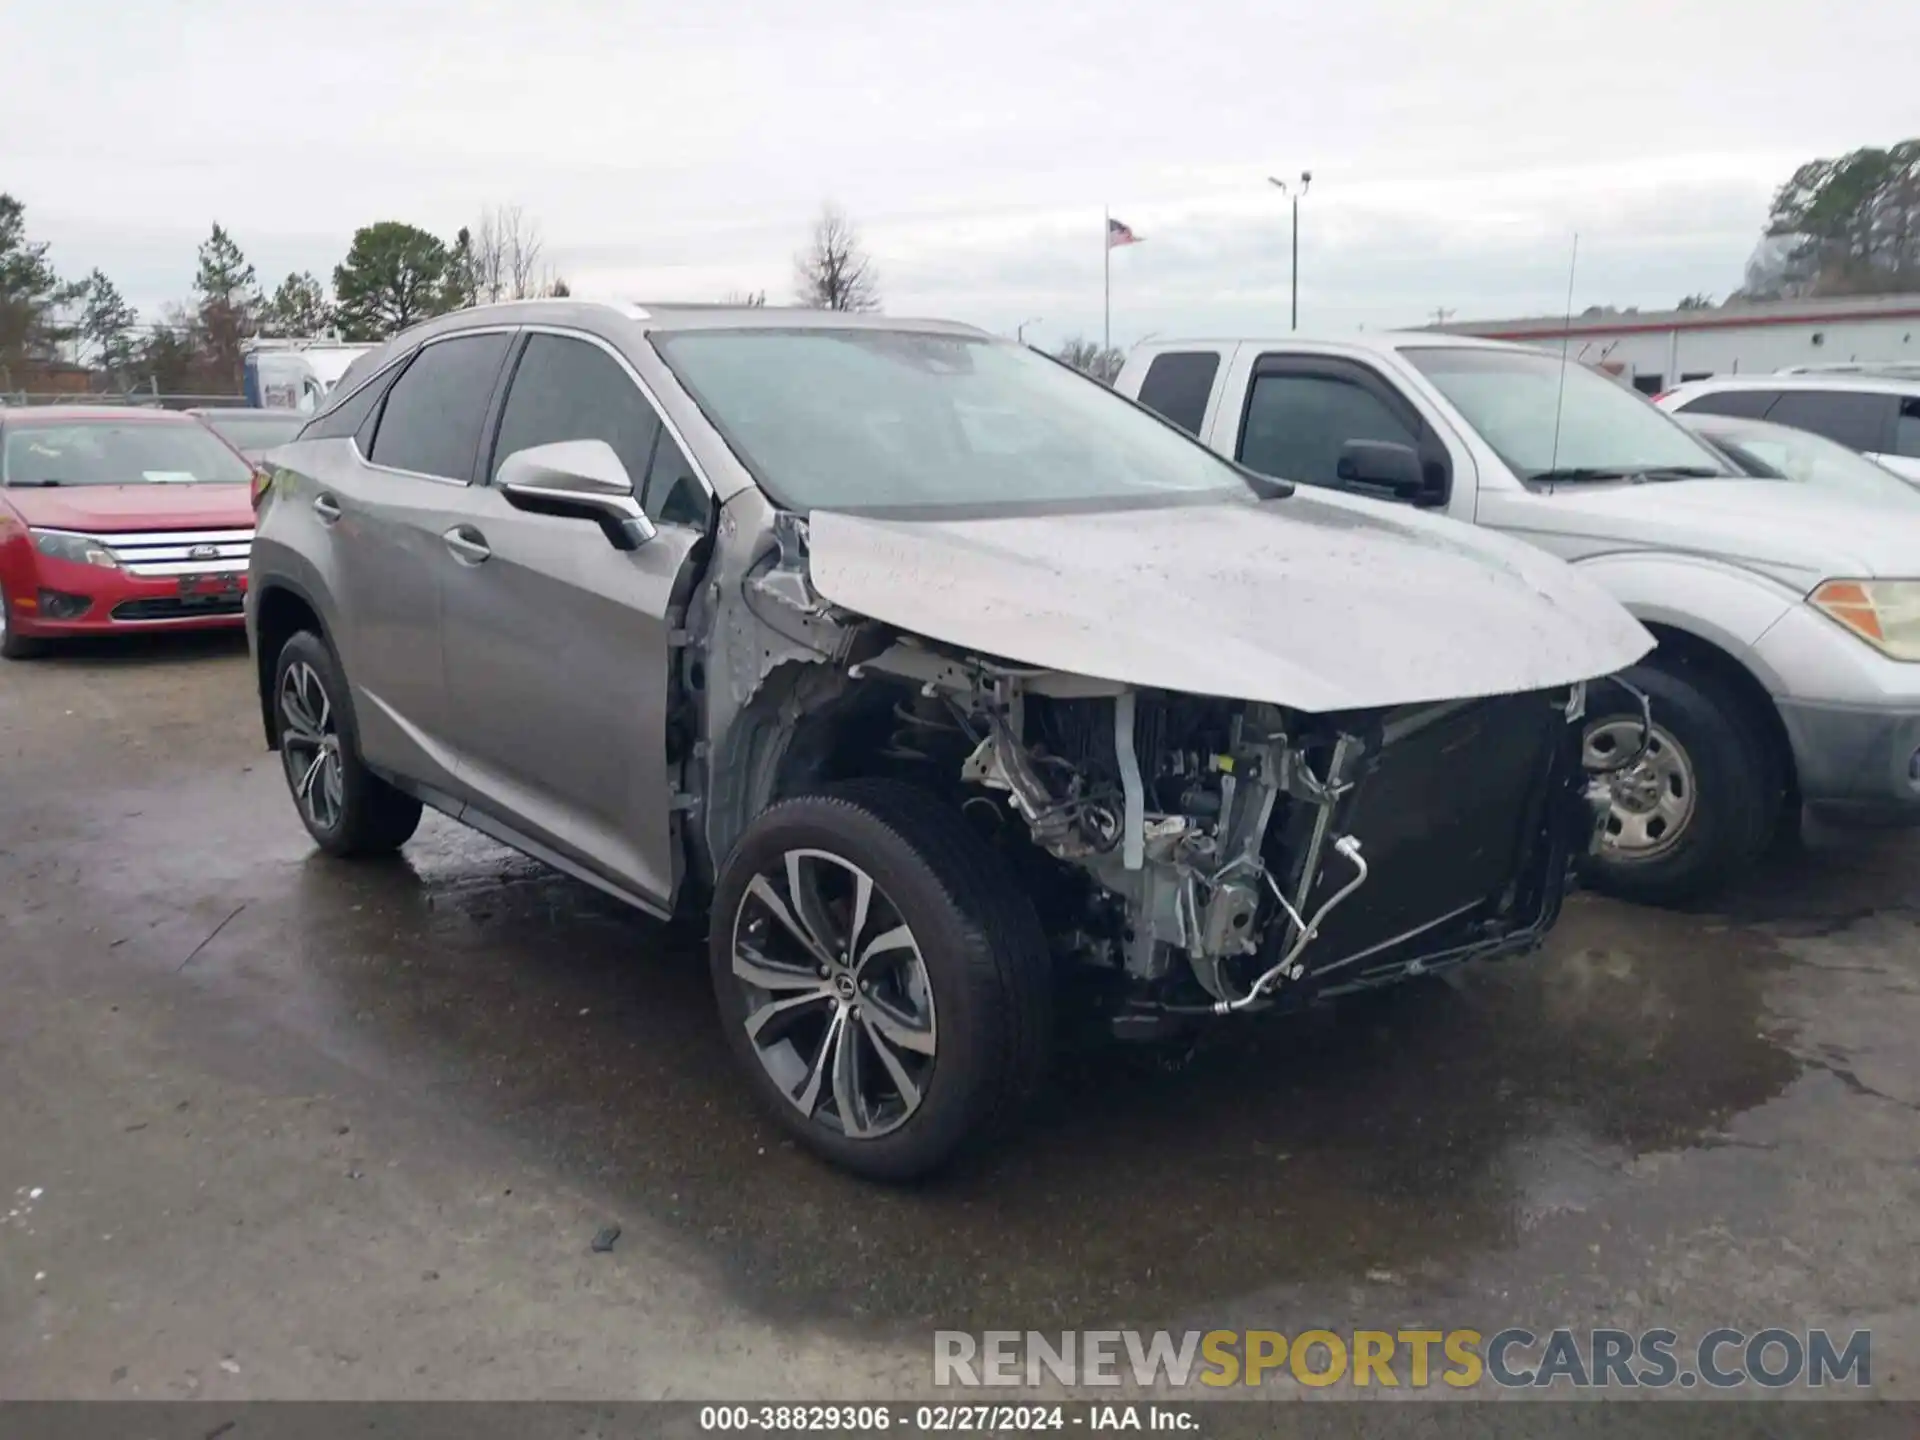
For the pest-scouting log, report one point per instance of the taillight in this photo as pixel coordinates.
(1661, 396)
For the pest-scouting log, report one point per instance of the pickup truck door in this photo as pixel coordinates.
(1287, 413)
(559, 646)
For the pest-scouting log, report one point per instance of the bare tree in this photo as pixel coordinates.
(506, 255)
(523, 245)
(747, 299)
(1091, 358)
(834, 272)
(488, 260)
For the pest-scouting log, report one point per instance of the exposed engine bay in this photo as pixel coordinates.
(1223, 856)
(1206, 855)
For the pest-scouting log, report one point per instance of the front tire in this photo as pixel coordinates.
(1698, 807)
(882, 979)
(347, 809)
(14, 645)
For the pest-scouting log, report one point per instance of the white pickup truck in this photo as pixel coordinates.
(1788, 618)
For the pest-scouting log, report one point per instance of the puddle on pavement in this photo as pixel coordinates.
(1838, 876)
(1437, 1128)
(1440, 1123)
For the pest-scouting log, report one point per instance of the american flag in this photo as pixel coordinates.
(1119, 234)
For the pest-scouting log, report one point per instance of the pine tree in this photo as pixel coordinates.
(395, 275)
(299, 308)
(31, 295)
(107, 322)
(228, 305)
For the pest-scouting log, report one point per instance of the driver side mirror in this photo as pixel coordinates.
(577, 480)
(1386, 470)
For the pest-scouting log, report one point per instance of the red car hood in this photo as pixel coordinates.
(112, 508)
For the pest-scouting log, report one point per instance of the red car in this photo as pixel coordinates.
(118, 520)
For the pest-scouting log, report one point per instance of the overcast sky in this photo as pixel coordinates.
(679, 151)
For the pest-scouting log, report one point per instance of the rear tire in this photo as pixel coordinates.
(14, 645)
(947, 1028)
(1700, 806)
(347, 809)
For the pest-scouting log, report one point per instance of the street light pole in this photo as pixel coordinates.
(1306, 179)
(1020, 330)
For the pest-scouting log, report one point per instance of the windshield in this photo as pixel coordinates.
(1596, 429)
(254, 432)
(117, 452)
(884, 420)
(1782, 453)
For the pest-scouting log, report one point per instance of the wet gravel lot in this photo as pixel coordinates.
(301, 1128)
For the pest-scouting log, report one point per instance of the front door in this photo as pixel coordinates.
(1301, 410)
(557, 644)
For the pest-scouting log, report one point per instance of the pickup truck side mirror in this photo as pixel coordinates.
(1385, 469)
(580, 480)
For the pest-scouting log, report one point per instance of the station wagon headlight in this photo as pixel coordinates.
(1884, 613)
(81, 549)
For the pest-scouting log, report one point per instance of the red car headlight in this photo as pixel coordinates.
(78, 548)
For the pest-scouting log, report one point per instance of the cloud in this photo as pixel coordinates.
(1374, 254)
(682, 152)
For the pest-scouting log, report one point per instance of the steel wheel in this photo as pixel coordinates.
(310, 745)
(1653, 799)
(839, 1009)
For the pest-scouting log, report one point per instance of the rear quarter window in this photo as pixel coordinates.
(351, 413)
(1748, 404)
(1178, 385)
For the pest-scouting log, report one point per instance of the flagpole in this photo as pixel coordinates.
(1106, 280)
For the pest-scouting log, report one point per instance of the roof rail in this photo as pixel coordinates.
(1901, 368)
(305, 342)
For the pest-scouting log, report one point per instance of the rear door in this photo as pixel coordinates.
(1860, 420)
(346, 528)
(385, 504)
(558, 646)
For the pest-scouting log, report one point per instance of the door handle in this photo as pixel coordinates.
(467, 544)
(327, 508)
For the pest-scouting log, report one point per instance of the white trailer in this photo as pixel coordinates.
(295, 374)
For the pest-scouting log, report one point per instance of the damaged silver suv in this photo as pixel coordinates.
(943, 681)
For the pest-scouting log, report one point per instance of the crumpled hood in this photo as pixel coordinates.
(1800, 533)
(1318, 601)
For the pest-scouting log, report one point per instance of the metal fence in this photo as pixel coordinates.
(144, 398)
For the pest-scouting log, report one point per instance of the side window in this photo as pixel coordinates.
(1906, 435)
(1177, 387)
(1296, 424)
(434, 413)
(570, 390)
(1856, 420)
(347, 417)
(1751, 404)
